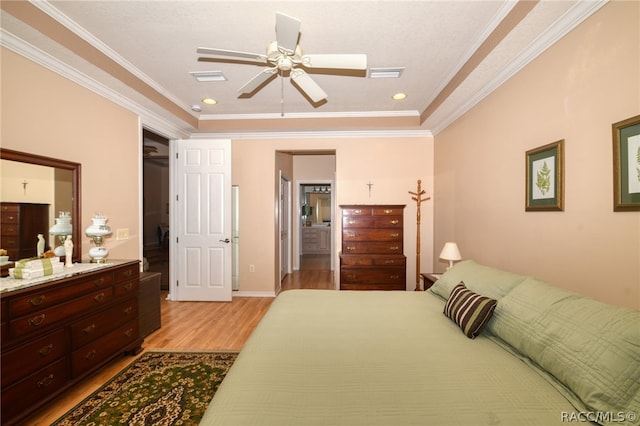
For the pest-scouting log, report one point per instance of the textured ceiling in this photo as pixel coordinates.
(453, 54)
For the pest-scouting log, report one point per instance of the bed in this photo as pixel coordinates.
(383, 358)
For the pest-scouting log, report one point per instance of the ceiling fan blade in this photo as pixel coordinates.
(232, 53)
(287, 31)
(307, 85)
(338, 61)
(258, 80)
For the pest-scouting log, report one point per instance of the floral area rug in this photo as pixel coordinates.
(159, 388)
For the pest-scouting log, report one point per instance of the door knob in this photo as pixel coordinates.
(226, 240)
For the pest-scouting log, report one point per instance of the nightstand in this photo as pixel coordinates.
(429, 279)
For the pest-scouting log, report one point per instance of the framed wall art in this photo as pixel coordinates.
(626, 165)
(545, 178)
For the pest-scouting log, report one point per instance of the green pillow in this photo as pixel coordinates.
(590, 347)
(469, 310)
(485, 280)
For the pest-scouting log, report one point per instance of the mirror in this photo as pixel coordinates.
(60, 177)
(316, 205)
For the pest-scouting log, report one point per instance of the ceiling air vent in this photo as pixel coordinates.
(204, 76)
(393, 72)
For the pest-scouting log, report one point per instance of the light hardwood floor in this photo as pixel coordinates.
(193, 326)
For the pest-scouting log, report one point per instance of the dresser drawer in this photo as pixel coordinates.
(11, 216)
(47, 317)
(349, 222)
(126, 288)
(46, 298)
(373, 275)
(387, 211)
(359, 247)
(24, 394)
(373, 260)
(366, 234)
(373, 286)
(356, 211)
(28, 358)
(88, 329)
(90, 356)
(129, 273)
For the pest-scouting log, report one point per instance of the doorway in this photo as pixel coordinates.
(316, 220)
(155, 205)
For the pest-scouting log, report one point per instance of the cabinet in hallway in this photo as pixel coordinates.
(316, 240)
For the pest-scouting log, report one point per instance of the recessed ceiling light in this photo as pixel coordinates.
(209, 101)
(204, 76)
(399, 96)
(391, 72)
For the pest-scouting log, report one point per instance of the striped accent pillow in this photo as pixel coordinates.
(469, 310)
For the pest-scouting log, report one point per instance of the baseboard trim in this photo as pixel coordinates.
(238, 293)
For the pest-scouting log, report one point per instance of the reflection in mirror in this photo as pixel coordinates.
(316, 205)
(35, 189)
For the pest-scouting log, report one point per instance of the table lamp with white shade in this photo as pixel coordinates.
(61, 229)
(450, 253)
(97, 231)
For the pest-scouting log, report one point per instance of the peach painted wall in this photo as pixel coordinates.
(573, 91)
(44, 113)
(393, 165)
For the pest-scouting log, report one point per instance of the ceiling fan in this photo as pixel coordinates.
(285, 56)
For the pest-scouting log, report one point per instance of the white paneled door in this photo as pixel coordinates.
(203, 249)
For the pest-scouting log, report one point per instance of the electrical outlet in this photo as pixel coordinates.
(252, 268)
(122, 234)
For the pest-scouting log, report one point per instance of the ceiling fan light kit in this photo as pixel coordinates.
(286, 57)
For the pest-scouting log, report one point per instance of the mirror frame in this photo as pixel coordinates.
(75, 168)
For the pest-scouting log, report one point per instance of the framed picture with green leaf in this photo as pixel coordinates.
(626, 165)
(545, 178)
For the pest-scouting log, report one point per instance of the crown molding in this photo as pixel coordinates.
(32, 53)
(325, 134)
(563, 25)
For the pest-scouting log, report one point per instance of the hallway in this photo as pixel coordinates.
(315, 273)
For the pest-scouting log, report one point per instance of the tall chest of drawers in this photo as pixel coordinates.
(20, 225)
(56, 333)
(372, 248)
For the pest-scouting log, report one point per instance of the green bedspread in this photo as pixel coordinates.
(377, 358)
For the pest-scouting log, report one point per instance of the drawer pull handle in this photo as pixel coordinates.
(128, 310)
(46, 350)
(352, 235)
(395, 235)
(394, 277)
(37, 301)
(36, 321)
(389, 262)
(99, 297)
(394, 248)
(357, 211)
(351, 222)
(129, 332)
(98, 282)
(128, 286)
(388, 211)
(395, 222)
(89, 329)
(128, 273)
(90, 355)
(351, 248)
(11, 217)
(351, 276)
(46, 381)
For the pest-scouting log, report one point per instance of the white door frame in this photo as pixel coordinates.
(284, 225)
